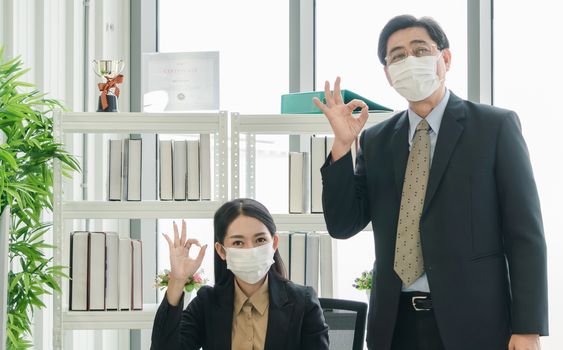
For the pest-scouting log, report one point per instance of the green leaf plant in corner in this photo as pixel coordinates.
(27, 153)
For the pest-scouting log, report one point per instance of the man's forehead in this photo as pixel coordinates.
(407, 36)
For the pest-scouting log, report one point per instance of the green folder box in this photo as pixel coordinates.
(302, 102)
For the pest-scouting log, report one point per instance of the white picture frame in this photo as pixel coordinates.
(181, 81)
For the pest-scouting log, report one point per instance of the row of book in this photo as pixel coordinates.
(302, 253)
(184, 169)
(305, 181)
(106, 272)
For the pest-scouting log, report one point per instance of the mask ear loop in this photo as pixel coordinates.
(440, 55)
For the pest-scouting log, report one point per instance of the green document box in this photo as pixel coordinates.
(302, 102)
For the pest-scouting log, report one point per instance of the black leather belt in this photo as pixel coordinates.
(419, 301)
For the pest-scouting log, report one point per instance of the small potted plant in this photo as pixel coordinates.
(364, 282)
(192, 284)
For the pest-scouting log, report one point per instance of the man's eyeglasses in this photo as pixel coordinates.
(417, 49)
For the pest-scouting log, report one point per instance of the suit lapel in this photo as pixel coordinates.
(449, 133)
(279, 314)
(400, 149)
(223, 315)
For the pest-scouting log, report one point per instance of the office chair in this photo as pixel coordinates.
(346, 320)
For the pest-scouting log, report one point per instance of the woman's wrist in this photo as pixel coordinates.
(174, 291)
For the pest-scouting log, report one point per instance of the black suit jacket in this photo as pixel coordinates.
(481, 228)
(295, 319)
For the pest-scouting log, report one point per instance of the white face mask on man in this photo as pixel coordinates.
(250, 264)
(415, 78)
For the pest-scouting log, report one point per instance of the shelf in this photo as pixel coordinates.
(292, 124)
(137, 123)
(299, 222)
(139, 210)
(140, 319)
(303, 222)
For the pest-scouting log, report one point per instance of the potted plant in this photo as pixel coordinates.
(26, 185)
(364, 282)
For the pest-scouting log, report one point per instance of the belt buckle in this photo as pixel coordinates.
(413, 301)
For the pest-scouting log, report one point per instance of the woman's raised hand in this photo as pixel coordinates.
(345, 125)
(182, 266)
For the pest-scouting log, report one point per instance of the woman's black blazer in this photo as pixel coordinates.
(295, 319)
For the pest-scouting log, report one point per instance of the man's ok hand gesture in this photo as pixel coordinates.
(345, 125)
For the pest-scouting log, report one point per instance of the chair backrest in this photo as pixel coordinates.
(4, 268)
(346, 320)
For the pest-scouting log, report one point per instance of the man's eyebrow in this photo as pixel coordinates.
(415, 41)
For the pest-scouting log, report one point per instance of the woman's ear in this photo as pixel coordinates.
(220, 250)
(276, 241)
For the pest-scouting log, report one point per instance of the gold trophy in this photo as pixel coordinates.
(111, 71)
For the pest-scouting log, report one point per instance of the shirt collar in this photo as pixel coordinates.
(259, 300)
(434, 118)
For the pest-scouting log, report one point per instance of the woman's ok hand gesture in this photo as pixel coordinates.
(182, 266)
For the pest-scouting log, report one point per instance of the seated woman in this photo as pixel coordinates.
(252, 305)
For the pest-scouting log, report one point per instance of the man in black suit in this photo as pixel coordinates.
(449, 189)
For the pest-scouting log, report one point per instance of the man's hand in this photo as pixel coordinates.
(524, 342)
(345, 125)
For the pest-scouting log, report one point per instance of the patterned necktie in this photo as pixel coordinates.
(409, 264)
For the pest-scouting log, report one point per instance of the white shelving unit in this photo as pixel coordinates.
(279, 124)
(128, 123)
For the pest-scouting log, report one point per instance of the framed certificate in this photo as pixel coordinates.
(181, 81)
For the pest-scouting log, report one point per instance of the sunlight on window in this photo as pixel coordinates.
(527, 83)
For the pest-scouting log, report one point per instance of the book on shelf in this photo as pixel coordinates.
(97, 271)
(329, 144)
(125, 274)
(114, 170)
(106, 272)
(312, 260)
(193, 170)
(179, 164)
(112, 270)
(283, 249)
(327, 256)
(78, 286)
(137, 273)
(133, 169)
(165, 166)
(318, 156)
(298, 249)
(298, 182)
(354, 151)
(205, 166)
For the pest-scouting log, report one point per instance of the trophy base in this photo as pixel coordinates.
(112, 104)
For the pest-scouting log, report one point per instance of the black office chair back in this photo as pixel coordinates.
(346, 320)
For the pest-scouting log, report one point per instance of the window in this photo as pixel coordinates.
(347, 38)
(530, 84)
(252, 38)
(254, 73)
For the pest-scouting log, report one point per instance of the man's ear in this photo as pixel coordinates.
(447, 56)
(220, 250)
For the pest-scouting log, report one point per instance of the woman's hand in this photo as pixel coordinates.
(345, 126)
(182, 266)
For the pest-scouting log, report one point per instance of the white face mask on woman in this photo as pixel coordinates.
(415, 78)
(250, 264)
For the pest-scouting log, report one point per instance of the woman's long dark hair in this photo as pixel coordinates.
(225, 215)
